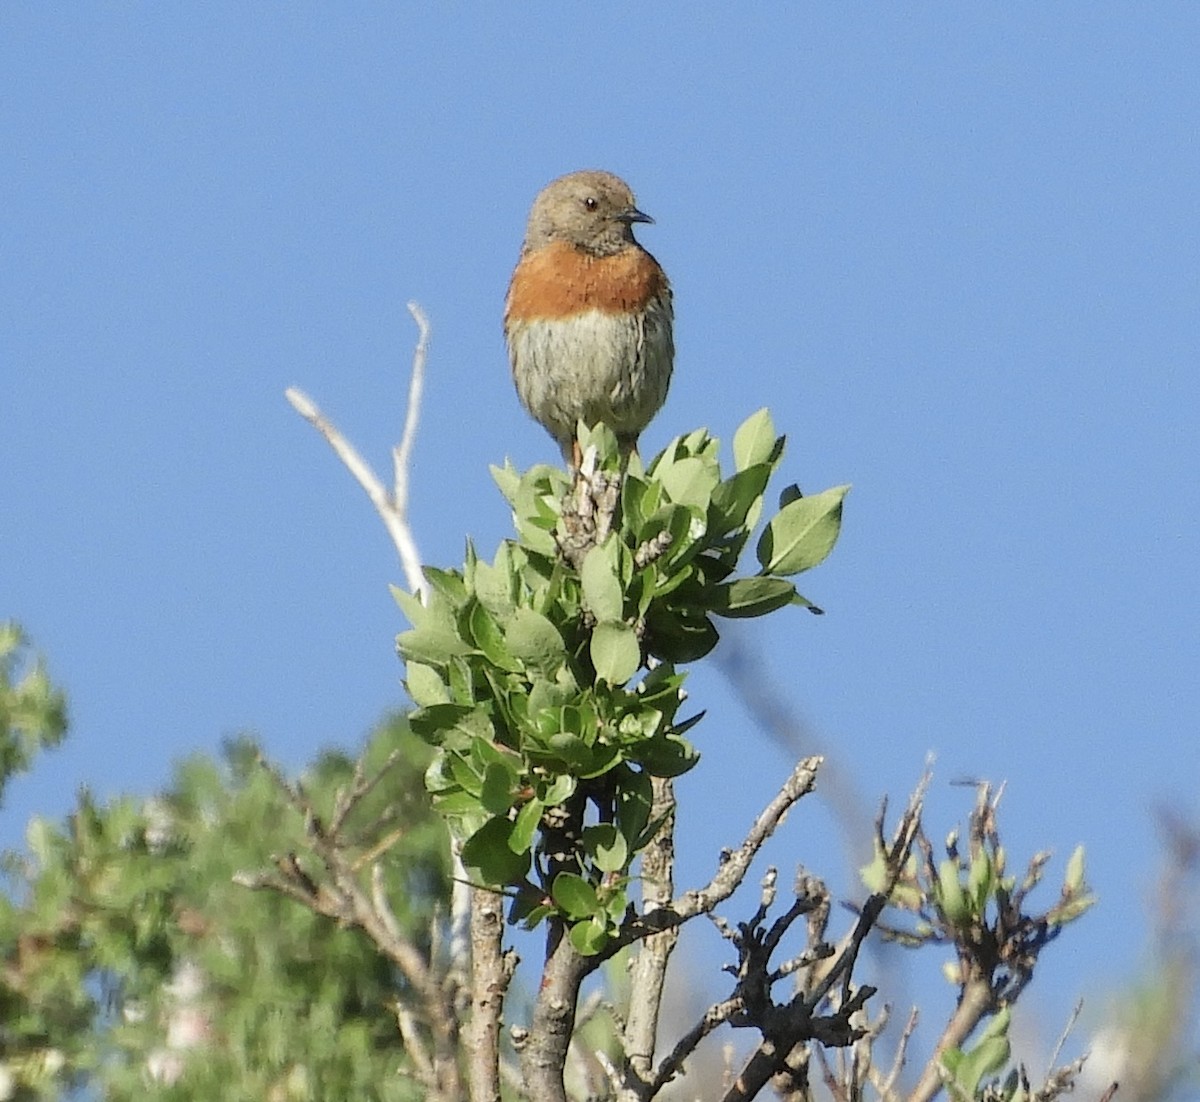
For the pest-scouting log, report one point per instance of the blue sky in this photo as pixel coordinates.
(953, 248)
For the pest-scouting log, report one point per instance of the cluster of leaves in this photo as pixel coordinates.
(134, 967)
(967, 900)
(552, 692)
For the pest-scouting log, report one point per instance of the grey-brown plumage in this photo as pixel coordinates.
(588, 319)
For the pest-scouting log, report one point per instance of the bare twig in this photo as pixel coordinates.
(786, 1030)
(360, 786)
(887, 1085)
(392, 506)
(734, 863)
(611, 1074)
(414, 1045)
(715, 1015)
(1062, 1040)
(402, 453)
(660, 915)
(735, 866)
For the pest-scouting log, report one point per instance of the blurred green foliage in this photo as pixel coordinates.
(131, 957)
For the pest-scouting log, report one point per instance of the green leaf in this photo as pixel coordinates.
(485, 752)
(41, 838)
(584, 758)
(574, 895)
(668, 756)
(489, 638)
(733, 499)
(986, 1058)
(493, 584)
(606, 846)
(525, 826)
(590, 936)
(466, 775)
(457, 804)
(677, 638)
(448, 583)
(561, 788)
(639, 501)
(690, 482)
(410, 605)
(877, 872)
(788, 494)
(616, 652)
(536, 539)
(497, 792)
(1073, 881)
(461, 678)
(956, 908)
(640, 723)
(801, 601)
(802, 534)
(538, 497)
(439, 722)
(433, 643)
(528, 913)
(603, 757)
(545, 695)
(604, 440)
(617, 903)
(698, 442)
(534, 640)
(600, 577)
(684, 725)
(747, 597)
(488, 852)
(634, 800)
(980, 880)
(425, 685)
(508, 479)
(754, 440)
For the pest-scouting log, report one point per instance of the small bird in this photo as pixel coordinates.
(588, 314)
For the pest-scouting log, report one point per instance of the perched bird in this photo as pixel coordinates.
(588, 314)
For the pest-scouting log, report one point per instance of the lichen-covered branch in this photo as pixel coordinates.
(492, 970)
(648, 971)
(544, 1053)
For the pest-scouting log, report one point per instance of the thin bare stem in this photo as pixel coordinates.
(1062, 1040)
(392, 507)
(734, 863)
(715, 1015)
(402, 453)
(887, 1086)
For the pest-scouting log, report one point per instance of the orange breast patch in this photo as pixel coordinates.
(558, 280)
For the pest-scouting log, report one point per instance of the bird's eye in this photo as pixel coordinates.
(590, 202)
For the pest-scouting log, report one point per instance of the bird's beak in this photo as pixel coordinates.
(632, 214)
